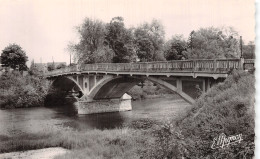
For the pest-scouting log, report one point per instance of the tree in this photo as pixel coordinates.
(144, 45)
(51, 67)
(120, 40)
(190, 40)
(34, 70)
(90, 48)
(13, 56)
(208, 43)
(61, 65)
(149, 40)
(175, 47)
(249, 50)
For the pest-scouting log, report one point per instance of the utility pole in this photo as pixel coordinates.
(241, 47)
(70, 59)
(53, 60)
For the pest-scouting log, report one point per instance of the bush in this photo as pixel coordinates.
(148, 90)
(226, 108)
(17, 91)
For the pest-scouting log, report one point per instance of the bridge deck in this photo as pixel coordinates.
(205, 68)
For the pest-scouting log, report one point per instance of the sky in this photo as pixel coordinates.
(44, 28)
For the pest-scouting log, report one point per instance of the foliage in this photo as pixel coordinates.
(100, 42)
(148, 90)
(51, 67)
(190, 40)
(249, 50)
(227, 108)
(17, 91)
(61, 65)
(174, 48)
(91, 45)
(113, 42)
(209, 43)
(120, 40)
(33, 70)
(13, 56)
(149, 40)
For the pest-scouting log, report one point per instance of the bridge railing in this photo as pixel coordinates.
(218, 65)
(249, 64)
(63, 70)
(200, 65)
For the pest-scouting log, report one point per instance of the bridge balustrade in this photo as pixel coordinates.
(249, 64)
(199, 65)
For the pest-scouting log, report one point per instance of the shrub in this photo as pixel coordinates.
(17, 91)
(226, 108)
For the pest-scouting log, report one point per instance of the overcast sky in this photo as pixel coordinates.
(44, 28)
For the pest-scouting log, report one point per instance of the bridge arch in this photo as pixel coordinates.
(115, 86)
(66, 83)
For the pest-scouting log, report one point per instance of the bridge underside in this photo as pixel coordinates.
(116, 88)
(100, 89)
(66, 84)
(102, 83)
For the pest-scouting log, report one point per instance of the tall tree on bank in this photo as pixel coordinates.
(175, 47)
(208, 43)
(15, 57)
(249, 50)
(190, 40)
(90, 48)
(120, 40)
(149, 40)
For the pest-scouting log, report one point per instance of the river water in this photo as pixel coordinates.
(33, 120)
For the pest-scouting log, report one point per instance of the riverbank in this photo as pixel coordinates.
(130, 134)
(47, 153)
(113, 143)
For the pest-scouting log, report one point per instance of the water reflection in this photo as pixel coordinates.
(30, 120)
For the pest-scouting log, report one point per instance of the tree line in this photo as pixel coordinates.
(101, 42)
(112, 42)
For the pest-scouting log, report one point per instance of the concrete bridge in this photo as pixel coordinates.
(102, 86)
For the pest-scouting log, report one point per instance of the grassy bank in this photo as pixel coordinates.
(116, 143)
(227, 108)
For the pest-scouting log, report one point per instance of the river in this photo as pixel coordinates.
(33, 120)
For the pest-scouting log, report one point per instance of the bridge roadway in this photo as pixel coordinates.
(195, 68)
(109, 81)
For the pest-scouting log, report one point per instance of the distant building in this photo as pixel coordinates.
(44, 66)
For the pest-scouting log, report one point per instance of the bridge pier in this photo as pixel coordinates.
(105, 105)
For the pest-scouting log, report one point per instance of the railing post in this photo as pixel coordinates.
(242, 61)
(215, 65)
(194, 65)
